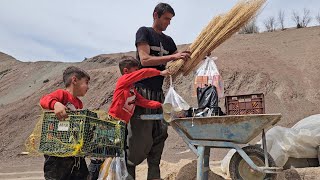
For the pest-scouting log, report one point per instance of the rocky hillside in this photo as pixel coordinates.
(282, 65)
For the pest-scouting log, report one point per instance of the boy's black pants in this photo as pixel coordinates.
(65, 168)
(94, 168)
(146, 139)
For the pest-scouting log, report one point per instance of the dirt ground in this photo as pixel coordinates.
(283, 65)
(26, 168)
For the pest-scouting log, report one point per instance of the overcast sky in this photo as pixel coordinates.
(70, 30)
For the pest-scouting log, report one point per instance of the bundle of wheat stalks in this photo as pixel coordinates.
(217, 31)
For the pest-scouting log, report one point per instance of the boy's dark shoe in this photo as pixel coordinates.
(94, 168)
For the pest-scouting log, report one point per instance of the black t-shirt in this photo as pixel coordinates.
(160, 45)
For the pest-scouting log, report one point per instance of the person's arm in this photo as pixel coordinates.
(143, 47)
(143, 102)
(48, 101)
(131, 78)
(53, 101)
(147, 60)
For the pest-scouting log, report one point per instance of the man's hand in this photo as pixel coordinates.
(185, 55)
(60, 111)
(165, 73)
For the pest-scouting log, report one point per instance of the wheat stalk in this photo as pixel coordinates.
(218, 30)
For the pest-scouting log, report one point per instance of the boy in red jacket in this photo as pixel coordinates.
(126, 98)
(76, 82)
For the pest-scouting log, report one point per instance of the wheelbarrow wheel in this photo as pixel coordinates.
(240, 170)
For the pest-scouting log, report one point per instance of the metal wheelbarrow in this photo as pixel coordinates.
(203, 133)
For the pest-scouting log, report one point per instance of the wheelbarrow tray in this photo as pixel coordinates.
(239, 129)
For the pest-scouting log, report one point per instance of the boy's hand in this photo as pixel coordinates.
(165, 73)
(60, 111)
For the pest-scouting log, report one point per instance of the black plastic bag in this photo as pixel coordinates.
(208, 98)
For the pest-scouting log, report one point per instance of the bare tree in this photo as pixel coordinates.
(296, 18)
(250, 28)
(281, 19)
(318, 18)
(306, 19)
(270, 24)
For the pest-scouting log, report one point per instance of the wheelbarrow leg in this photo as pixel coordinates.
(206, 163)
(264, 145)
(200, 162)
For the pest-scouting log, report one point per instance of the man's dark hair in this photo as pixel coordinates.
(162, 8)
(73, 71)
(128, 63)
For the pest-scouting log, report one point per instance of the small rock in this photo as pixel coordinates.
(23, 153)
(45, 81)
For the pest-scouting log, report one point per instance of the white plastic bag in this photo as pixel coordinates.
(208, 74)
(104, 169)
(174, 105)
(122, 167)
(118, 169)
(208, 67)
(226, 161)
(300, 141)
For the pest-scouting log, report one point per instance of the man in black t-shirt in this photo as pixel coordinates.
(146, 139)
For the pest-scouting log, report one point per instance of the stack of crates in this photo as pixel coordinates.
(82, 134)
(245, 104)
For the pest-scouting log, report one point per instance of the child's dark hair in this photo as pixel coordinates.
(128, 63)
(162, 8)
(73, 71)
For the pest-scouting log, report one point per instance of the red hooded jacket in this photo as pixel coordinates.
(125, 97)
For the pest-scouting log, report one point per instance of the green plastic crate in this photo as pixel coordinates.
(82, 134)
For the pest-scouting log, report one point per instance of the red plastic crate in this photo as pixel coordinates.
(245, 104)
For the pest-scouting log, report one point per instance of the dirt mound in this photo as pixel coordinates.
(300, 173)
(189, 172)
